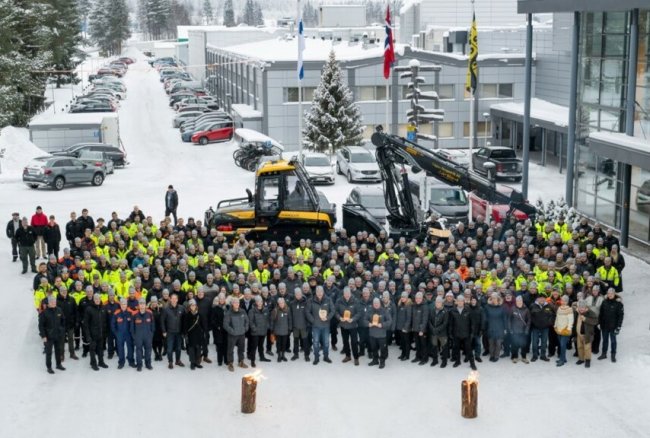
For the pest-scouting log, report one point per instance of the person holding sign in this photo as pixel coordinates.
(379, 320)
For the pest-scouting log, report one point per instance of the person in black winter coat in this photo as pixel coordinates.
(461, 330)
(171, 202)
(95, 325)
(478, 321)
(52, 237)
(193, 331)
(12, 227)
(26, 237)
(204, 305)
(610, 319)
(219, 335)
(519, 328)
(157, 343)
(542, 318)
(51, 328)
(69, 307)
(72, 228)
(419, 320)
(439, 332)
(259, 320)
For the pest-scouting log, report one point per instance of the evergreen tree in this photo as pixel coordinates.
(248, 14)
(333, 120)
(179, 16)
(207, 12)
(83, 8)
(62, 25)
(258, 15)
(228, 14)
(109, 25)
(309, 15)
(158, 12)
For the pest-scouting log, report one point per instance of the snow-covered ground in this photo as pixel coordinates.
(298, 399)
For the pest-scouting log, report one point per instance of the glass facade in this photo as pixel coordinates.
(602, 82)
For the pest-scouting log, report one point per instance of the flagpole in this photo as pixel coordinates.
(471, 130)
(300, 73)
(472, 87)
(389, 59)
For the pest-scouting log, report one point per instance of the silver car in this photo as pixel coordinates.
(357, 164)
(59, 171)
(99, 160)
(318, 167)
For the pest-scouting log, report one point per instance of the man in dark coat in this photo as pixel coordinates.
(68, 305)
(72, 229)
(379, 321)
(460, 330)
(320, 311)
(348, 316)
(204, 305)
(12, 227)
(300, 325)
(51, 328)
(52, 237)
(170, 322)
(610, 319)
(235, 323)
(26, 239)
(542, 318)
(439, 332)
(171, 202)
(419, 319)
(95, 325)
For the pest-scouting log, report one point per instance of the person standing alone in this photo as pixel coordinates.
(26, 238)
(51, 327)
(171, 202)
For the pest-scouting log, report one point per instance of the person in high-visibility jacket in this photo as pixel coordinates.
(41, 293)
(609, 274)
(122, 287)
(303, 250)
(262, 274)
(242, 262)
(540, 224)
(600, 249)
(302, 267)
(192, 284)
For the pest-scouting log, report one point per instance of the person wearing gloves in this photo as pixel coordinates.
(379, 321)
(563, 327)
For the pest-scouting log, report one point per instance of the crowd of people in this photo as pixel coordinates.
(146, 291)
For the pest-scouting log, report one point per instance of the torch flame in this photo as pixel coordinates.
(255, 376)
(472, 377)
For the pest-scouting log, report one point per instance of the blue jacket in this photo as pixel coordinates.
(121, 323)
(143, 326)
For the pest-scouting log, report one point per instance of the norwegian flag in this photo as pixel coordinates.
(389, 50)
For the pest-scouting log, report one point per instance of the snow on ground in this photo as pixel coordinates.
(298, 399)
(18, 151)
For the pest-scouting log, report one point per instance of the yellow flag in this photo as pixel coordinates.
(472, 65)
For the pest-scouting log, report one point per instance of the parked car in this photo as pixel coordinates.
(57, 172)
(497, 212)
(98, 159)
(127, 60)
(119, 95)
(166, 59)
(434, 196)
(193, 108)
(115, 154)
(192, 128)
(219, 131)
(458, 156)
(319, 168)
(209, 116)
(643, 197)
(505, 160)
(372, 199)
(177, 97)
(106, 71)
(184, 116)
(203, 100)
(97, 107)
(357, 164)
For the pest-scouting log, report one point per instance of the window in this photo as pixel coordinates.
(445, 91)
(291, 94)
(494, 91)
(296, 197)
(445, 130)
(62, 163)
(482, 129)
(370, 93)
(269, 194)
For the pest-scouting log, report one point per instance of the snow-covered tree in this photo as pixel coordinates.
(109, 25)
(180, 14)
(207, 12)
(309, 15)
(158, 12)
(228, 14)
(258, 15)
(334, 119)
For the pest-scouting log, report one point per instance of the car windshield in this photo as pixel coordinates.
(362, 157)
(372, 201)
(317, 161)
(447, 196)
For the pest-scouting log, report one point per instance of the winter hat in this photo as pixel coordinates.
(142, 301)
(439, 300)
(192, 302)
(123, 301)
(154, 299)
(405, 295)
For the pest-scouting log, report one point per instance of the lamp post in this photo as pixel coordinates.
(488, 120)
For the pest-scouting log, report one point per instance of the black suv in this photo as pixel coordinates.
(114, 153)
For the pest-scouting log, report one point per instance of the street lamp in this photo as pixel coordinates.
(488, 119)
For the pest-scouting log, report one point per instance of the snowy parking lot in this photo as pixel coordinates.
(297, 399)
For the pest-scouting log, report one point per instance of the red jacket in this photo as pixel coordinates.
(39, 220)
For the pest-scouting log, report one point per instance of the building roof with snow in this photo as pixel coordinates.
(542, 113)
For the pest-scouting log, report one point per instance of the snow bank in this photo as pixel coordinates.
(18, 151)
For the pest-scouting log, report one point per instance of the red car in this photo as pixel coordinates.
(497, 212)
(219, 131)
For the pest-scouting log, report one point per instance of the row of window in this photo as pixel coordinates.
(445, 130)
(372, 93)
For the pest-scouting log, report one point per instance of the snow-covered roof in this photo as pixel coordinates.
(541, 110)
(250, 135)
(164, 45)
(481, 57)
(315, 50)
(246, 111)
(626, 141)
(48, 119)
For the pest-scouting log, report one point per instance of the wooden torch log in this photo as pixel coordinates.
(469, 399)
(248, 394)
